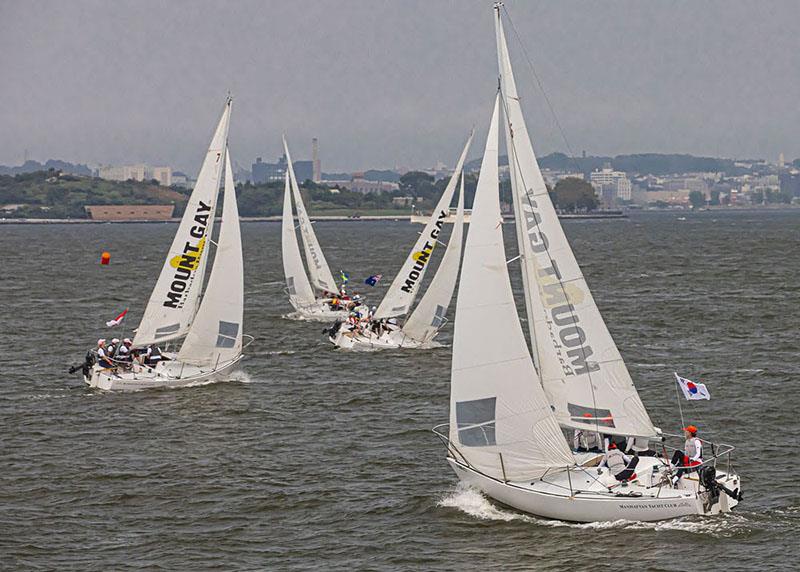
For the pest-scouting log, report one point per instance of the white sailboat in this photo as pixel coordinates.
(310, 299)
(424, 323)
(211, 325)
(509, 404)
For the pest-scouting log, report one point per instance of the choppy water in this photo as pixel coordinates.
(318, 459)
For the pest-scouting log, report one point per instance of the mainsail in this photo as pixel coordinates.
(321, 276)
(175, 298)
(297, 284)
(215, 336)
(580, 366)
(429, 315)
(404, 287)
(500, 419)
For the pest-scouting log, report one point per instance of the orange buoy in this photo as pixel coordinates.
(105, 258)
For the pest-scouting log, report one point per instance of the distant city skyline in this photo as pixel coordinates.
(386, 85)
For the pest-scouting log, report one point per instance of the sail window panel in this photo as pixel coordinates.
(438, 318)
(290, 286)
(167, 330)
(228, 333)
(476, 422)
(590, 415)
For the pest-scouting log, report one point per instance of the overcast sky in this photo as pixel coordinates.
(385, 84)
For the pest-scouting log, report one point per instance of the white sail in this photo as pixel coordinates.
(404, 287)
(429, 315)
(215, 336)
(500, 419)
(175, 298)
(300, 292)
(321, 277)
(581, 368)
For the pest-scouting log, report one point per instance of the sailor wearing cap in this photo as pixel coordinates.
(691, 456)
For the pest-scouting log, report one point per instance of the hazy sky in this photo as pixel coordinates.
(386, 84)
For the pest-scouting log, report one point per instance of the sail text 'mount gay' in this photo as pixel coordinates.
(189, 259)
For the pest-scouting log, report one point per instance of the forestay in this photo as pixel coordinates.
(215, 337)
(496, 403)
(581, 368)
(429, 315)
(321, 277)
(297, 284)
(406, 283)
(174, 300)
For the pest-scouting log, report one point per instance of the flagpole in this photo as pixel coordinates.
(678, 395)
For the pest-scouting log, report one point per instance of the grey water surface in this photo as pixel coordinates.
(321, 459)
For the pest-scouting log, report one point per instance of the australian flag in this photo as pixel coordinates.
(374, 279)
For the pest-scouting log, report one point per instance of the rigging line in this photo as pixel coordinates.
(536, 220)
(544, 93)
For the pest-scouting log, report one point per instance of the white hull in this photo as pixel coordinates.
(591, 500)
(367, 341)
(318, 312)
(167, 374)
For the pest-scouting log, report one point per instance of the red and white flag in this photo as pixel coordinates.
(116, 321)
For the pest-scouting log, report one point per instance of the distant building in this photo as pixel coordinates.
(180, 179)
(316, 174)
(269, 172)
(303, 170)
(140, 172)
(130, 212)
(359, 184)
(402, 201)
(611, 185)
(790, 183)
(675, 198)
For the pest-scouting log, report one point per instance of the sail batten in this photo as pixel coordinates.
(321, 277)
(176, 296)
(500, 419)
(580, 366)
(404, 288)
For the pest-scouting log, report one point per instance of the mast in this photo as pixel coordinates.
(580, 366)
(321, 276)
(297, 284)
(215, 336)
(176, 295)
(429, 315)
(500, 419)
(406, 283)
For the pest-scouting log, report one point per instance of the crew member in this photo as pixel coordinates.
(587, 441)
(639, 446)
(124, 355)
(152, 356)
(691, 456)
(102, 354)
(621, 465)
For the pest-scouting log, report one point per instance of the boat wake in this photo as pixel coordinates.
(299, 317)
(474, 503)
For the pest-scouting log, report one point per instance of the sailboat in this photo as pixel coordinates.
(211, 324)
(511, 403)
(424, 323)
(312, 299)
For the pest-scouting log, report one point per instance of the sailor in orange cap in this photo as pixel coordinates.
(691, 456)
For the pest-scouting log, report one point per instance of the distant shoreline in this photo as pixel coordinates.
(277, 218)
(407, 218)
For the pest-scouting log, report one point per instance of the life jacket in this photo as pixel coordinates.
(640, 444)
(616, 461)
(692, 446)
